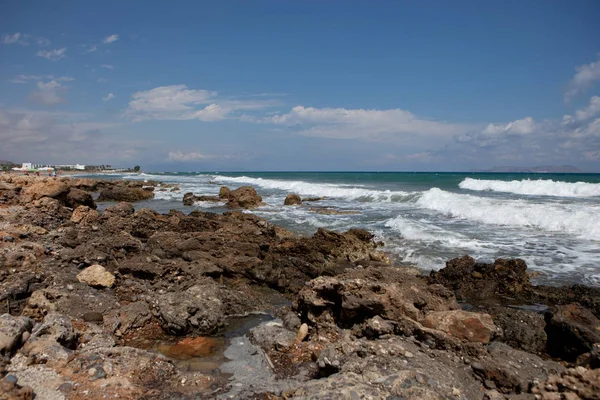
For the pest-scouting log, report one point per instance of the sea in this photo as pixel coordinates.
(552, 221)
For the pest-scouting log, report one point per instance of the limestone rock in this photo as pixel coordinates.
(96, 276)
(470, 326)
(125, 193)
(244, 197)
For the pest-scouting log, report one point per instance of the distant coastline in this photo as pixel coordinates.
(550, 169)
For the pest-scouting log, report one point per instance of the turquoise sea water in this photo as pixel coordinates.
(550, 220)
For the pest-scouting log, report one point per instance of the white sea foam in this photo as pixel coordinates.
(539, 187)
(350, 192)
(579, 219)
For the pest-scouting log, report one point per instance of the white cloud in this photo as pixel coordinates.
(26, 78)
(111, 39)
(91, 49)
(23, 39)
(586, 76)
(48, 93)
(519, 127)
(108, 97)
(341, 123)
(107, 66)
(193, 156)
(14, 38)
(590, 111)
(53, 55)
(177, 102)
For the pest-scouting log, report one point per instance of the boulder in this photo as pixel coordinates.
(85, 215)
(125, 193)
(574, 383)
(292, 199)
(244, 197)
(224, 192)
(96, 276)
(572, 330)
(52, 188)
(470, 326)
(473, 280)
(521, 329)
(78, 197)
(272, 335)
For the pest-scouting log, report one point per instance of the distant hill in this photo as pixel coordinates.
(538, 169)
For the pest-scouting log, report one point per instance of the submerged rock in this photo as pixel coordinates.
(292, 199)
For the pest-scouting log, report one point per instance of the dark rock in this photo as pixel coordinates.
(125, 193)
(292, 199)
(572, 330)
(189, 199)
(473, 280)
(521, 329)
(93, 316)
(122, 209)
(77, 197)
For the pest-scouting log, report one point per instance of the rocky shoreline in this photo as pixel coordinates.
(130, 303)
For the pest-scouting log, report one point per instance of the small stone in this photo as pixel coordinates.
(93, 316)
(65, 388)
(10, 378)
(477, 367)
(9, 239)
(408, 354)
(96, 276)
(302, 333)
(25, 336)
(456, 392)
(70, 287)
(321, 364)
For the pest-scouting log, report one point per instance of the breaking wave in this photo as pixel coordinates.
(537, 187)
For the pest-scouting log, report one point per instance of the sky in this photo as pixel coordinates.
(312, 85)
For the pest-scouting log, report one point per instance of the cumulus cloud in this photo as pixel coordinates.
(341, 123)
(111, 39)
(48, 93)
(177, 102)
(585, 77)
(590, 111)
(53, 55)
(108, 97)
(523, 126)
(59, 137)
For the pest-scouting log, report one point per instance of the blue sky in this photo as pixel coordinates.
(313, 85)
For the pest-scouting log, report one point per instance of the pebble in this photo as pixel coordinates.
(9, 239)
(408, 354)
(70, 287)
(10, 378)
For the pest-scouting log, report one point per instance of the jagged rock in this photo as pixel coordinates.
(574, 383)
(96, 276)
(125, 193)
(11, 332)
(52, 188)
(224, 192)
(189, 199)
(244, 197)
(85, 215)
(272, 335)
(470, 326)
(292, 199)
(77, 197)
(52, 341)
(201, 309)
(572, 330)
(122, 209)
(511, 370)
(521, 329)
(473, 280)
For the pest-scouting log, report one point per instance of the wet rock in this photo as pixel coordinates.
(201, 309)
(572, 330)
(272, 335)
(224, 192)
(470, 326)
(473, 280)
(11, 332)
(292, 199)
(125, 193)
(189, 199)
(96, 276)
(244, 197)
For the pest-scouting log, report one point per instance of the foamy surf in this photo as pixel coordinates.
(579, 219)
(537, 187)
(302, 188)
